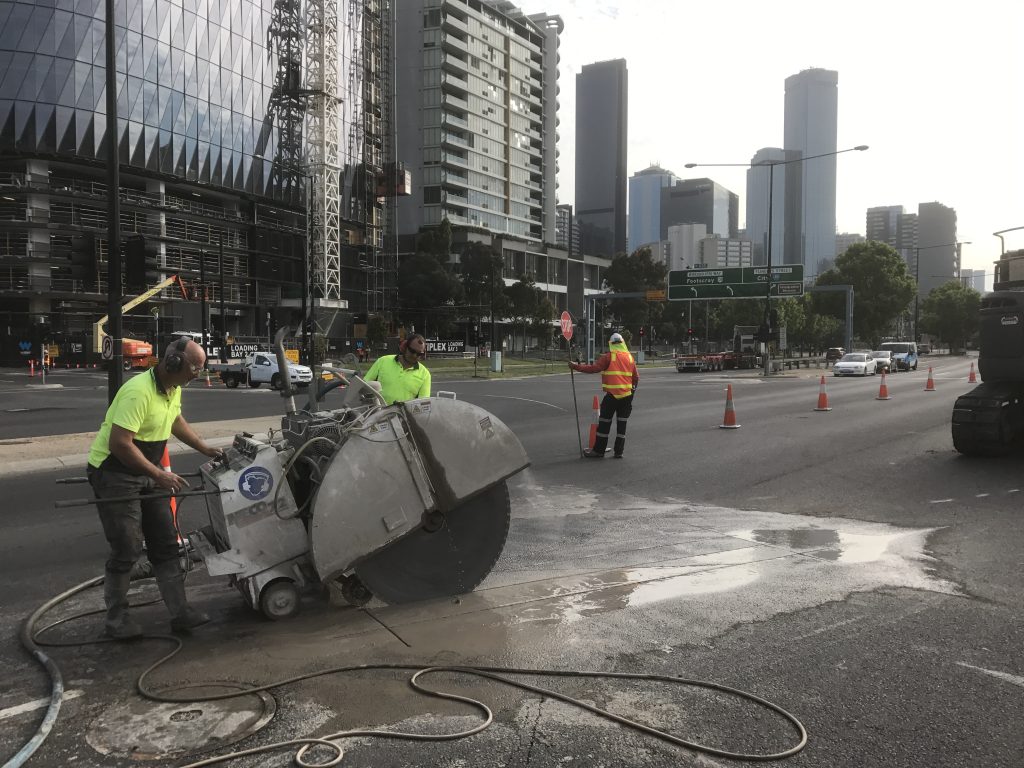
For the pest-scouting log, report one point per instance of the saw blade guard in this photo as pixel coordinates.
(405, 465)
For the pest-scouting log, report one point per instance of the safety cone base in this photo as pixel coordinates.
(827, 408)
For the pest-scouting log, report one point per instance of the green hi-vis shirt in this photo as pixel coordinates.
(398, 383)
(141, 407)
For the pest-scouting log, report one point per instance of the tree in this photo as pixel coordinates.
(480, 268)
(437, 241)
(951, 313)
(424, 285)
(636, 272)
(881, 285)
(523, 298)
(540, 322)
(376, 332)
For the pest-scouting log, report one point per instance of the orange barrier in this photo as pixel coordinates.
(595, 416)
(822, 397)
(883, 391)
(165, 465)
(930, 384)
(972, 379)
(729, 421)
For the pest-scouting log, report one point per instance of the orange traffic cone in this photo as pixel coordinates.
(972, 379)
(729, 422)
(594, 417)
(883, 391)
(930, 384)
(165, 465)
(31, 367)
(208, 384)
(822, 397)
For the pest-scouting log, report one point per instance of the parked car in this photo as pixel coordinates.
(855, 364)
(883, 361)
(833, 354)
(260, 368)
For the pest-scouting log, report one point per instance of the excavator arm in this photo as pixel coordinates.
(97, 329)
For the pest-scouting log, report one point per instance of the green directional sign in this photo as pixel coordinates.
(735, 282)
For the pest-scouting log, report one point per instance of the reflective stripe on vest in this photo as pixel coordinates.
(617, 378)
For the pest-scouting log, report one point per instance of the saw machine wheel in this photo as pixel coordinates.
(451, 560)
(279, 600)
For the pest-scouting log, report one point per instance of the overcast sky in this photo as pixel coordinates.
(934, 89)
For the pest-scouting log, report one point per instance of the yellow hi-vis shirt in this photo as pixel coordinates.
(142, 407)
(398, 383)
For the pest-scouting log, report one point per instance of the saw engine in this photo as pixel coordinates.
(403, 502)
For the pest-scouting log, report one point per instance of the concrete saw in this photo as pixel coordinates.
(403, 502)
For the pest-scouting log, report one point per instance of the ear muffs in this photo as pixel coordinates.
(176, 359)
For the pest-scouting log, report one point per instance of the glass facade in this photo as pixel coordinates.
(211, 142)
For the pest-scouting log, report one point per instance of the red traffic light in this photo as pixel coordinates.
(641, 331)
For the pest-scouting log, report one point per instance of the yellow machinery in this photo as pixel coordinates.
(133, 350)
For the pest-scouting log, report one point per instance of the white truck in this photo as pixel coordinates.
(260, 368)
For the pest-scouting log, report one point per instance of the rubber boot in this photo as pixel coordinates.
(119, 624)
(171, 581)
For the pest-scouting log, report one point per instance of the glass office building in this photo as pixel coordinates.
(210, 146)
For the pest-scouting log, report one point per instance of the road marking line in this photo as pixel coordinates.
(1014, 679)
(940, 501)
(31, 706)
(527, 400)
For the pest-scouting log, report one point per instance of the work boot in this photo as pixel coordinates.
(119, 624)
(171, 581)
(591, 454)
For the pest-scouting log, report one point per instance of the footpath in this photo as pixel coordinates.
(22, 455)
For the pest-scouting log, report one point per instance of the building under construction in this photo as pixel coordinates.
(257, 163)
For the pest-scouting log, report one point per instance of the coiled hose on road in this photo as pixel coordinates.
(30, 640)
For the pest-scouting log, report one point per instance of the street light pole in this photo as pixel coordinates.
(768, 251)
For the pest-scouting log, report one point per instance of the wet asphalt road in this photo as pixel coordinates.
(847, 565)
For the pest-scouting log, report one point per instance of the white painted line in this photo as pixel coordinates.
(1014, 490)
(31, 706)
(1014, 679)
(940, 501)
(527, 400)
(982, 495)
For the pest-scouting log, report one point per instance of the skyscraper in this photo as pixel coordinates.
(937, 252)
(811, 118)
(758, 176)
(601, 132)
(883, 225)
(645, 204)
(700, 201)
(210, 143)
(478, 111)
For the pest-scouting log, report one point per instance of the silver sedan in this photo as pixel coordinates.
(855, 364)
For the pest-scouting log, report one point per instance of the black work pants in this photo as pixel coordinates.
(127, 523)
(617, 408)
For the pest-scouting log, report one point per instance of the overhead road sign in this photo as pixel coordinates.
(735, 282)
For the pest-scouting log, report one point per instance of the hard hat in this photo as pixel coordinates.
(616, 338)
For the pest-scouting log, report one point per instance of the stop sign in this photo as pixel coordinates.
(566, 322)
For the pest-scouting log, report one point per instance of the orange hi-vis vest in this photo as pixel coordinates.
(617, 378)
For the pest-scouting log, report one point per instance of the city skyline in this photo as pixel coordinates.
(940, 126)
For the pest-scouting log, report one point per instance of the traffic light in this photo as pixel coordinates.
(83, 259)
(136, 249)
(689, 332)
(763, 335)
(641, 331)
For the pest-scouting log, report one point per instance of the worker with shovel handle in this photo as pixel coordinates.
(619, 379)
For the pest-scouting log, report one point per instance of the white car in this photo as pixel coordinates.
(855, 364)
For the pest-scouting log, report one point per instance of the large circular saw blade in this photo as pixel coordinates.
(451, 560)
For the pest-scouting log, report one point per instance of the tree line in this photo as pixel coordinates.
(439, 295)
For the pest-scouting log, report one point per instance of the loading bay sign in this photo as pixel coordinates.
(734, 282)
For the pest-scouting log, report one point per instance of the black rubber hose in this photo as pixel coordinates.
(56, 679)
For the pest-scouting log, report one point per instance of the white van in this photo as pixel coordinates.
(904, 355)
